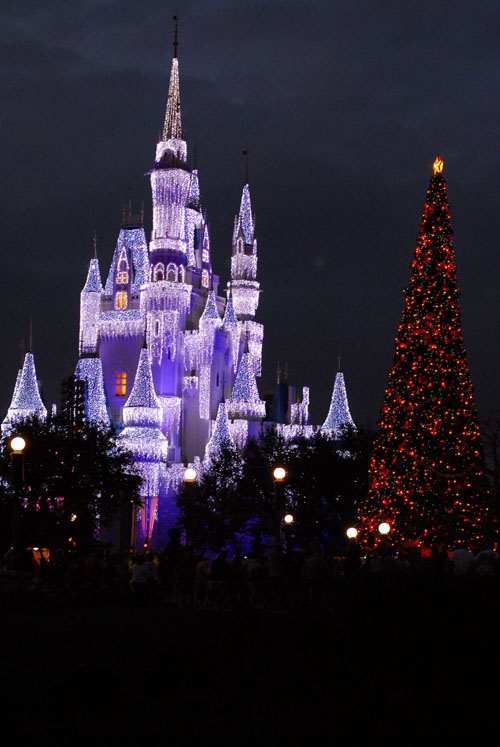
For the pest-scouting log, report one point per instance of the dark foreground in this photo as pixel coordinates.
(408, 661)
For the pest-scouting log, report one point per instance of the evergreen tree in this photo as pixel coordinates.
(427, 468)
(75, 480)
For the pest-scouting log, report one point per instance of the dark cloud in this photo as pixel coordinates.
(342, 107)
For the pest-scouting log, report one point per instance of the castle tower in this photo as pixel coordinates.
(243, 288)
(142, 417)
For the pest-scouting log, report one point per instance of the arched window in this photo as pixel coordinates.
(121, 300)
(159, 272)
(157, 328)
(172, 272)
(204, 278)
(240, 245)
(120, 383)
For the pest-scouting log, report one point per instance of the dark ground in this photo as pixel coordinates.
(407, 661)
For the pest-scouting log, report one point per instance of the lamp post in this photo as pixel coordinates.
(190, 477)
(288, 521)
(279, 474)
(17, 445)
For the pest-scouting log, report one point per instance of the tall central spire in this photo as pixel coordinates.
(172, 129)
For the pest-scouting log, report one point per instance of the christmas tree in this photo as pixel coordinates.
(427, 470)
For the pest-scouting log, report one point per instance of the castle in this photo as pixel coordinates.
(166, 358)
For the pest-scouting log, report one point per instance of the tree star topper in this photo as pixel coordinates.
(438, 165)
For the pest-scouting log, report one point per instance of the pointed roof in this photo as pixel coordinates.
(134, 242)
(229, 321)
(221, 435)
(26, 401)
(210, 313)
(245, 401)
(90, 371)
(172, 128)
(143, 407)
(339, 416)
(245, 220)
(93, 283)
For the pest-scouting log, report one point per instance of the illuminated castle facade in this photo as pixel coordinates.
(164, 355)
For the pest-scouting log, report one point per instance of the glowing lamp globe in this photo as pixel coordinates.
(190, 474)
(384, 528)
(352, 532)
(279, 473)
(288, 519)
(17, 444)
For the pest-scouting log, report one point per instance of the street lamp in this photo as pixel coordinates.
(190, 476)
(288, 519)
(279, 474)
(352, 533)
(384, 528)
(17, 445)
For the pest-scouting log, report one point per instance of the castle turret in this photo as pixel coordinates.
(245, 402)
(339, 416)
(26, 401)
(142, 416)
(221, 436)
(90, 307)
(243, 285)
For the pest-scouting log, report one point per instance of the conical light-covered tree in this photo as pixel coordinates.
(427, 470)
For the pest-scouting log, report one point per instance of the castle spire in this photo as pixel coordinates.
(339, 416)
(176, 35)
(221, 436)
(26, 402)
(245, 218)
(142, 408)
(245, 401)
(172, 129)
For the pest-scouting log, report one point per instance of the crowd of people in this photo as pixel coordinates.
(275, 580)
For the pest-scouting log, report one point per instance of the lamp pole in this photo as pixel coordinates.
(190, 476)
(279, 474)
(17, 445)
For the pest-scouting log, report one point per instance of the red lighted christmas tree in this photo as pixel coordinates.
(427, 471)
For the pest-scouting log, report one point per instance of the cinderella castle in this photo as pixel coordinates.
(165, 357)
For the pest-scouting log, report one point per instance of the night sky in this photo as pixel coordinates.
(342, 107)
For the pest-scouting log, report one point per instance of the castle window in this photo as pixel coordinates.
(172, 273)
(181, 274)
(120, 384)
(157, 328)
(122, 278)
(158, 272)
(204, 278)
(217, 379)
(121, 300)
